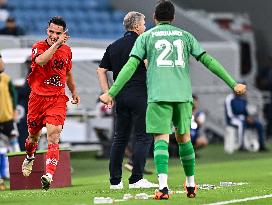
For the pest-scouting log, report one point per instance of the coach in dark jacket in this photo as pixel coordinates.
(130, 106)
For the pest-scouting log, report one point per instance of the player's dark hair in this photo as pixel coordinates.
(164, 11)
(58, 20)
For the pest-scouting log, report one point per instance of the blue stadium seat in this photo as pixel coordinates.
(2, 24)
(41, 26)
(14, 3)
(41, 5)
(103, 4)
(85, 18)
(89, 5)
(117, 16)
(103, 17)
(26, 4)
(19, 14)
(79, 16)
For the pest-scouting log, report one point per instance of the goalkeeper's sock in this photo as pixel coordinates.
(162, 181)
(30, 148)
(187, 158)
(161, 157)
(52, 158)
(190, 181)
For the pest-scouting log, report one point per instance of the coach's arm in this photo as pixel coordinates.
(125, 74)
(103, 79)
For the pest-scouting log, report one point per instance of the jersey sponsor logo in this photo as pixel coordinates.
(54, 80)
(166, 33)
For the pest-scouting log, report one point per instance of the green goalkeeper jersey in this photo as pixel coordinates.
(167, 49)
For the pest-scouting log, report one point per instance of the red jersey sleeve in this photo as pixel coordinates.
(69, 63)
(37, 49)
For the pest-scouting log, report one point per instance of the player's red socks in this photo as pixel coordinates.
(30, 147)
(52, 158)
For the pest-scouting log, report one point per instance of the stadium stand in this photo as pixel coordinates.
(86, 18)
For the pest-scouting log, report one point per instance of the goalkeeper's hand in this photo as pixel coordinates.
(239, 89)
(106, 99)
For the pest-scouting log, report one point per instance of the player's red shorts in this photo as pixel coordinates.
(45, 109)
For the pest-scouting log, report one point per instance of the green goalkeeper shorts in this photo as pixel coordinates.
(162, 116)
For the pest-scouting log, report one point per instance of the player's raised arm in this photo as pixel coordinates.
(218, 69)
(56, 38)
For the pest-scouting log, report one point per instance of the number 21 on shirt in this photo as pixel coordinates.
(167, 49)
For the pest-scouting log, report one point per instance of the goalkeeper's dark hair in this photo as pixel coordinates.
(164, 11)
(58, 20)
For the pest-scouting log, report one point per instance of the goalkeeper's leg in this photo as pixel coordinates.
(161, 157)
(187, 157)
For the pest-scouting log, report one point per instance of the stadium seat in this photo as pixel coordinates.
(118, 16)
(85, 18)
(2, 24)
(89, 5)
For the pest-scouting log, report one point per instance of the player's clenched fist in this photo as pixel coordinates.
(239, 89)
(76, 99)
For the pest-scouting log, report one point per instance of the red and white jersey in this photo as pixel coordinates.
(50, 78)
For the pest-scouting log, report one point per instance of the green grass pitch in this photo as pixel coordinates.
(90, 179)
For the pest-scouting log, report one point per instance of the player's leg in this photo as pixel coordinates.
(31, 144)
(52, 155)
(10, 129)
(161, 157)
(261, 138)
(55, 114)
(3, 163)
(182, 121)
(35, 125)
(158, 122)
(187, 158)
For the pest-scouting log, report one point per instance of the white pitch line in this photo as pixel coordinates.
(241, 200)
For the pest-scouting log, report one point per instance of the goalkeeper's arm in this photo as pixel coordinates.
(213, 65)
(125, 74)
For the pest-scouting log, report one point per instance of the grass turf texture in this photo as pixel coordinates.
(90, 179)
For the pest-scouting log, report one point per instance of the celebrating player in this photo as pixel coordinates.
(51, 69)
(167, 49)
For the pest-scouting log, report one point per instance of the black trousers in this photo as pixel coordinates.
(130, 113)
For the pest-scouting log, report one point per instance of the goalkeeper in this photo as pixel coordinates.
(167, 49)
